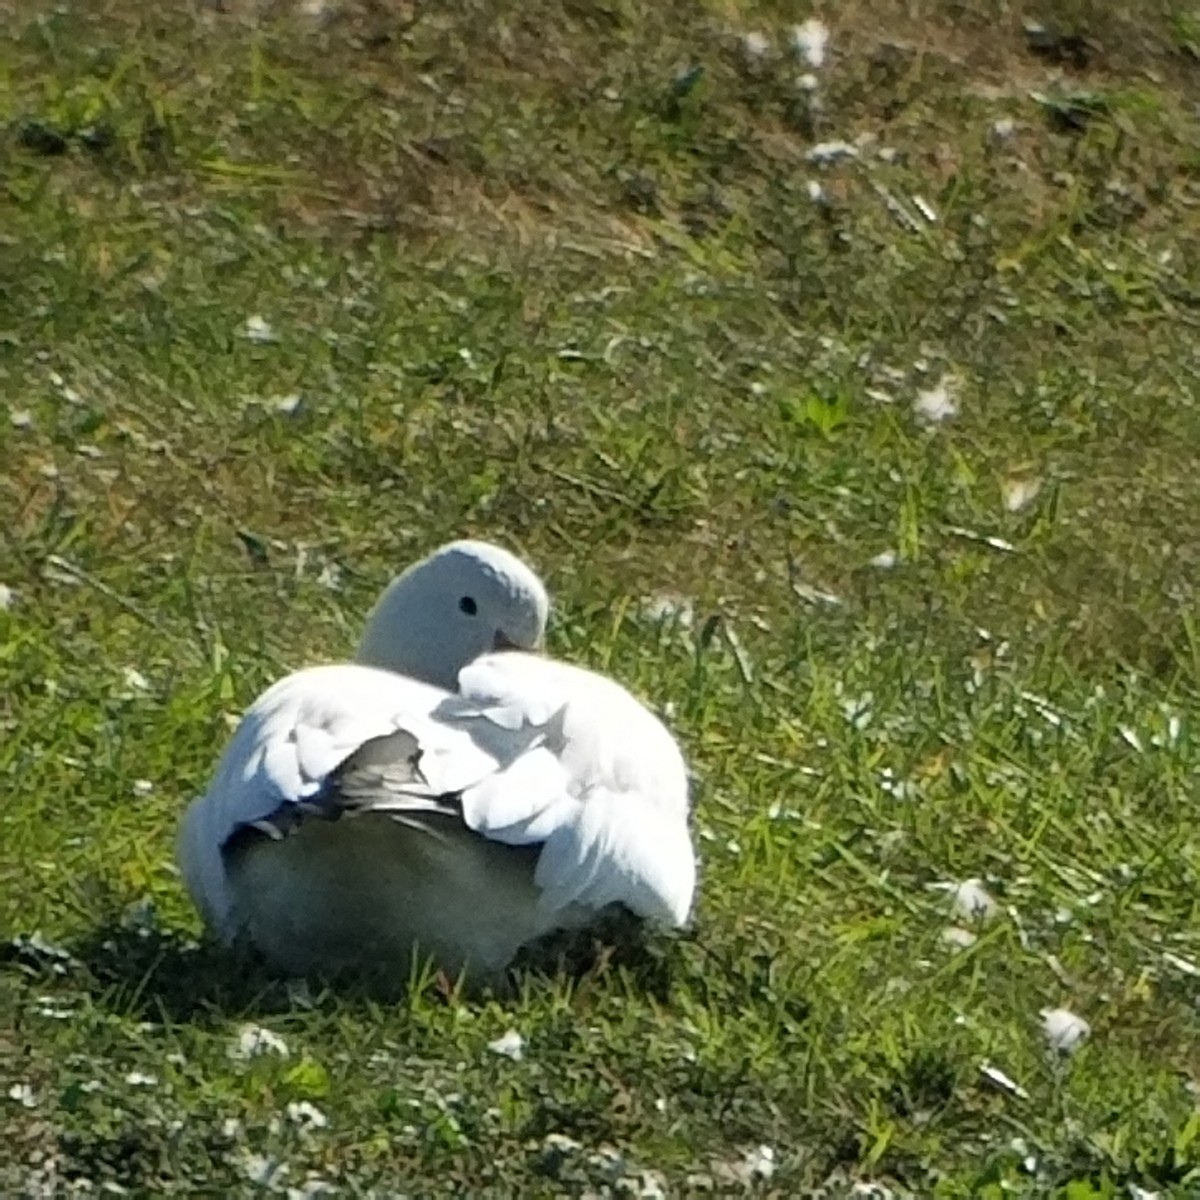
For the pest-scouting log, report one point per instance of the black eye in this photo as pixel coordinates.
(468, 605)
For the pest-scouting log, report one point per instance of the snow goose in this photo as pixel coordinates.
(436, 797)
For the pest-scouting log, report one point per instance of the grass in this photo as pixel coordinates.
(555, 274)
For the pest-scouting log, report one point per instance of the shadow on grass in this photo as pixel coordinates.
(152, 974)
(157, 975)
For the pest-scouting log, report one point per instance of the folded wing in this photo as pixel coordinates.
(528, 753)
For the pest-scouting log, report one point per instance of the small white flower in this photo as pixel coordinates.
(1003, 128)
(303, 1113)
(20, 418)
(511, 1045)
(858, 711)
(135, 680)
(258, 1168)
(756, 45)
(811, 41)
(253, 1040)
(22, 1093)
(669, 608)
(142, 787)
(938, 403)
(258, 330)
(970, 899)
(141, 1079)
(288, 404)
(959, 938)
(884, 561)
(759, 1163)
(330, 577)
(1063, 1029)
(807, 82)
(7, 597)
(1020, 493)
(816, 193)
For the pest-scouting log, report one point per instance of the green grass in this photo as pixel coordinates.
(533, 276)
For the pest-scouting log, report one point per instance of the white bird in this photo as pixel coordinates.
(436, 798)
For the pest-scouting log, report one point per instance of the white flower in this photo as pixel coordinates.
(959, 938)
(141, 1079)
(258, 330)
(20, 418)
(811, 40)
(303, 1113)
(254, 1040)
(7, 596)
(971, 899)
(756, 45)
(134, 680)
(1063, 1029)
(22, 1093)
(759, 1163)
(330, 577)
(669, 608)
(288, 404)
(938, 403)
(511, 1045)
(1020, 493)
(884, 561)
(258, 1168)
(142, 787)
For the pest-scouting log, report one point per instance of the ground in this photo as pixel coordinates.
(845, 395)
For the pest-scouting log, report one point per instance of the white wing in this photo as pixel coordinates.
(530, 752)
(285, 747)
(606, 792)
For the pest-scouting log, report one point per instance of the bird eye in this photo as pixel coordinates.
(468, 606)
